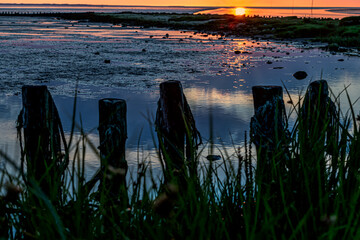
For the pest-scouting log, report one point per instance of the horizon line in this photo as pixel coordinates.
(104, 5)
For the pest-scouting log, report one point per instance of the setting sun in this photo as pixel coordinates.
(240, 11)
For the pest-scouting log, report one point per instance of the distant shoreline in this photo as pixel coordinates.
(101, 5)
(316, 12)
(335, 9)
(346, 10)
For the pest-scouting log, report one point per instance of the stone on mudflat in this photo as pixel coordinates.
(300, 75)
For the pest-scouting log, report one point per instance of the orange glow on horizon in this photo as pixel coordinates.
(240, 11)
(199, 3)
(156, 3)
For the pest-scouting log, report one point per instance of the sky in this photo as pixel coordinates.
(238, 3)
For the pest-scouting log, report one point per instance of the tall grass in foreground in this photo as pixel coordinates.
(311, 191)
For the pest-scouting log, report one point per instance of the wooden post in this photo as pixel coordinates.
(262, 94)
(268, 121)
(318, 111)
(170, 124)
(40, 121)
(317, 104)
(113, 135)
(317, 125)
(268, 133)
(175, 125)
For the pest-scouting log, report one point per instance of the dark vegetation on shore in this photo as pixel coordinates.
(337, 33)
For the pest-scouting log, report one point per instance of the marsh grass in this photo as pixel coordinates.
(311, 192)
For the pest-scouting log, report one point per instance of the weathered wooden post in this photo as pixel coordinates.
(268, 123)
(263, 94)
(317, 105)
(113, 135)
(170, 124)
(175, 125)
(268, 133)
(42, 136)
(317, 122)
(317, 113)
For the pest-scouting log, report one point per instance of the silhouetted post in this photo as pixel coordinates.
(317, 125)
(268, 133)
(113, 135)
(318, 106)
(175, 125)
(263, 94)
(170, 124)
(41, 123)
(268, 123)
(317, 112)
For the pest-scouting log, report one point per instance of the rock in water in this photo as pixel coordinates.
(300, 75)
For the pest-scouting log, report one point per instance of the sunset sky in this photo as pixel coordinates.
(274, 3)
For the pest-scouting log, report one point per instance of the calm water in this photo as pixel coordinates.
(216, 81)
